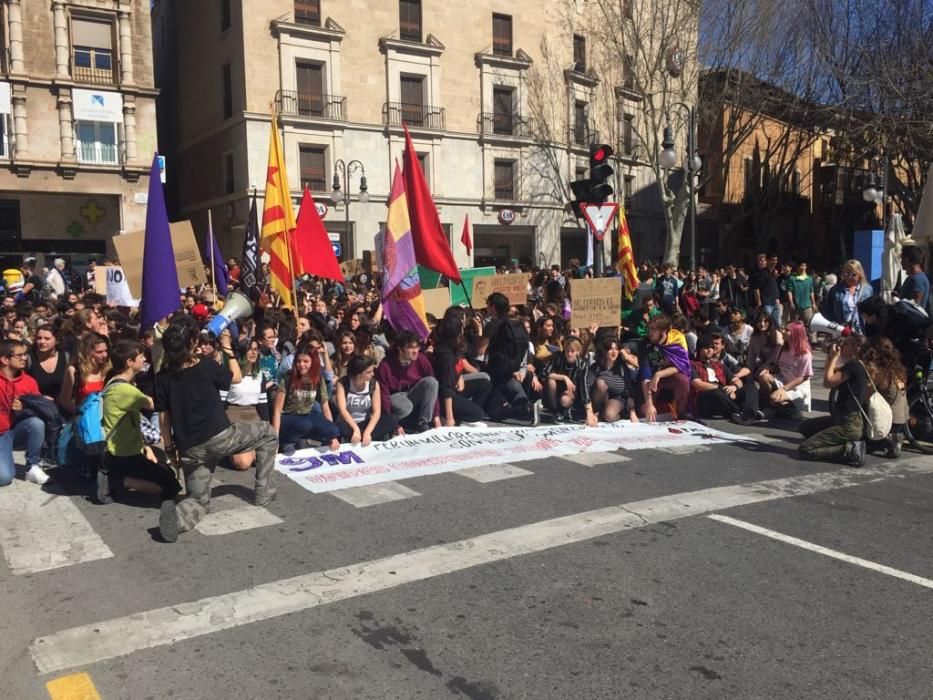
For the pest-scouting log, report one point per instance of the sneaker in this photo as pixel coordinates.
(536, 412)
(264, 498)
(168, 521)
(35, 475)
(474, 424)
(894, 441)
(759, 416)
(854, 454)
(742, 419)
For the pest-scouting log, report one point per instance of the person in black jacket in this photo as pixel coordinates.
(462, 393)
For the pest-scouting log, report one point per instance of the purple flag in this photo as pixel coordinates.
(160, 293)
(221, 275)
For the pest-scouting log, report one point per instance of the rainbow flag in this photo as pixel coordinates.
(626, 262)
(402, 302)
(278, 220)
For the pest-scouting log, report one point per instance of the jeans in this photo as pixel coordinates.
(420, 400)
(29, 432)
(312, 426)
(774, 311)
(507, 400)
(384, 429)
(715, 402)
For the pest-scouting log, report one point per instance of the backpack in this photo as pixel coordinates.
(507, 349)
(87, 428)
(879, 417)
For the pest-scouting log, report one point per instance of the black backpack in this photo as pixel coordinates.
(507, 350)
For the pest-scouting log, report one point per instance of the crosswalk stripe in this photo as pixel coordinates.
(374, 494)
(596, 459)
(230, 513)
(488, 473)
(42, 529)
(120, 636)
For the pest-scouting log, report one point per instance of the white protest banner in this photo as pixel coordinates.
(111, 281)
(449, 449)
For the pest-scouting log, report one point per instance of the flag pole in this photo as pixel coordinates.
(210, 241)
(288, 244)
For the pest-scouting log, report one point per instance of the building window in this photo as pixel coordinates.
(97, 142)
(310, 83)
(579, 53)
(628, 72)
(579, 173)
(225, 17)
(227, 90)
(409, 20)
(795, 182)
(92, 54)
(412, 93)
(503, 109)
(501, 34)
(308, 12)
(4, 136)
(313, 171)
(628, 9)
(505, 180)
(628, 134)
(229, 174)
(748, 174)
(580, 130)
(423, 162)
(628, 189)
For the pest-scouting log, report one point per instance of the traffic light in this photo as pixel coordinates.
(600, 172)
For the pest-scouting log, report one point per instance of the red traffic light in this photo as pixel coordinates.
(599, 153)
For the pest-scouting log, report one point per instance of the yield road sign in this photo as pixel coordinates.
(599, 217)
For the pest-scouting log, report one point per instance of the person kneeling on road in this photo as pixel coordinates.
(718, 391)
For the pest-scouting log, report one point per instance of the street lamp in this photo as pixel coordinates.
(344, 170)
(668, 159)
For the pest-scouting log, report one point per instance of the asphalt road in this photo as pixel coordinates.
(815, 584)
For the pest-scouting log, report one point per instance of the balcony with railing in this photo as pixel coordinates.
(93, 66)
(312, 106)
(420, 116)
(505, 124)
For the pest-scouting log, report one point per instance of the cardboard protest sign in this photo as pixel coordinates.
(596, 301)
(436, 301)
(129, 247)
(110, 281)
(515, 287)
(351, 268)
(458, 296)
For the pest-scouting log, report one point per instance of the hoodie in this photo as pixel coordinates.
(11, 389)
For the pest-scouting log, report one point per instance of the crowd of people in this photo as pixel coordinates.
(710, 343)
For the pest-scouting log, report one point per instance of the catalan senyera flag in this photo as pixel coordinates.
(402, 301)
(626, 261)
(278, 219)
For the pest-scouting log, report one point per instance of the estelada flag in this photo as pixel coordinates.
(626, 261)
(278, 219)
(312, 253)
(431, 247)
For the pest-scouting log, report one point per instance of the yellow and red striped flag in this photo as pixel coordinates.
(278, 220)
(626, 261)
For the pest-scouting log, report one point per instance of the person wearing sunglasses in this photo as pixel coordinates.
(30, 431)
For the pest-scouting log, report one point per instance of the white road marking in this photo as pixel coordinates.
(109, 639)
(596, 459)
(685, 449)
(809, 546)
(230, 513)
(374, 494)
(493, 472)
(42, 530)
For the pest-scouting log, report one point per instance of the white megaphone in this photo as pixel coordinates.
(820, 324)
(236, 305)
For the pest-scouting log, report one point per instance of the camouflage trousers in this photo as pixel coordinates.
(198, 463)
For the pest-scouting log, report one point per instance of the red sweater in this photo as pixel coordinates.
(9, 390)
(393, 377)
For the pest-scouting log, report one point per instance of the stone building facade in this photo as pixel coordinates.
(343, 76)
(78, 124)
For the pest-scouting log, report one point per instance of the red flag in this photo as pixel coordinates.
(312, 253)
(431, 247)
(465, 236)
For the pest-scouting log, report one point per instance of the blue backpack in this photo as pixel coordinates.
(88, 430)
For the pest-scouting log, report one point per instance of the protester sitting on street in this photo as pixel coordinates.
(841, 302)
(718, 391)
(507, 355)
(301, 410)
(359, 404)
(613, 390)
(663, 368)
(28, 432)
(462, 395)
(87, 375)
(193, 420)
(247, 401)
(764, 346)
(409, 388)
(344, 352)
(737, 335)
(128, 463)
(567, 384)
(840, 436)
(787, 383)
(636, 322)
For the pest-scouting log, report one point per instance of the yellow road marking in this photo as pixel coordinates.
(77, 686)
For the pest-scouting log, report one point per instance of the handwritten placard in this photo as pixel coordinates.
(596, 301)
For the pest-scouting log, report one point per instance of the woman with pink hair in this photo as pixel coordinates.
(787, 382)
